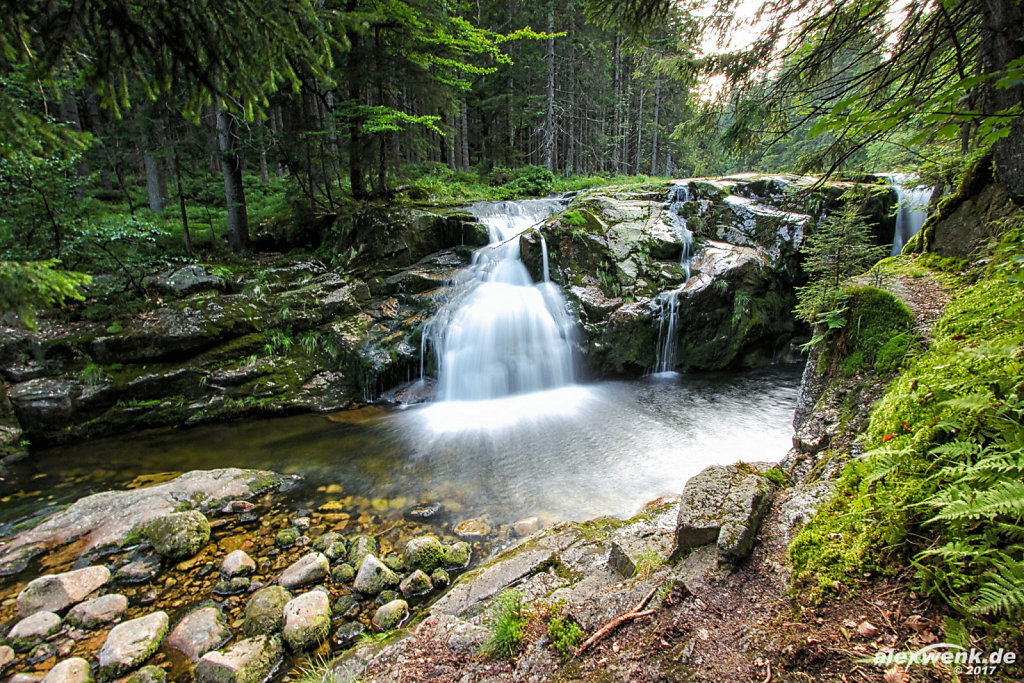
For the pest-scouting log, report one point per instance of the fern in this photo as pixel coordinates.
(1005, 498)
(1004, 590)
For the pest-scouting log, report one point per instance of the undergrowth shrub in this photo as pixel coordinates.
(565, 635)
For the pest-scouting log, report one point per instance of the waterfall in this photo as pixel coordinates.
(500, 334)
(678, 195)
(544, 258)
(913, 209)
(668, 302)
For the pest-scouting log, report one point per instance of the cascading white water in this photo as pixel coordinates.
(668, 302)
(501, 334)
(913, 209)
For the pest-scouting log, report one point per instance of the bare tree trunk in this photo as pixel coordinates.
(617, 114)
(154, 176)
(549, 117)
(639, 132)
(464, 133)
(657, 114)
(1000, 45)
(181, 203)
(234, 191)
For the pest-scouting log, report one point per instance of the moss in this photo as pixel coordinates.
(976, 176)
(877, 334)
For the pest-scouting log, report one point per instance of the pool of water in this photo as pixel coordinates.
(570, 453)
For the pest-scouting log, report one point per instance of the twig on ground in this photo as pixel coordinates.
(637, 611)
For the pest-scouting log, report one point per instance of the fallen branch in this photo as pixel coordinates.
(768, 678)
(618, 621)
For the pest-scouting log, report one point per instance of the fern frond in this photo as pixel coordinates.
(1004, 591)
(1005, 498)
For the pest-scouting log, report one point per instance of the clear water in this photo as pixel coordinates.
(572, 453)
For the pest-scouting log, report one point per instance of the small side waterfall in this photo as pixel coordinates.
(668, 302)
(913, 209)
(501, 334)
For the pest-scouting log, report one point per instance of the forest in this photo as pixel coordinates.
(224, 213)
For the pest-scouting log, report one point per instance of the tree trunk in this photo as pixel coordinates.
(549, 117)
(234, 191)
(1001, 44)
(181, 203)
(617, 114)
(464, 133)
(657, 113)
(154, 177)
(95, 126)
(639, 132)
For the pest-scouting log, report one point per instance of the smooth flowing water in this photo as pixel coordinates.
(500, 334)
(912, 212)
(570, 453)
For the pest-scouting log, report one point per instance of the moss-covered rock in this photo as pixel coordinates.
(423, 552)
(264, 613)
(179, 535)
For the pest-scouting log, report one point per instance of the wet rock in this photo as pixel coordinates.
(90, 520)
(395, 562)
(138, 571)
(332, 545)
(440, 578)
(343, 573)
(307, 620)
(347, 635)
(723, 505)
(457, 554)
(101, 610)
(247, 661)
(416, 583)
(345, 606)
(41, 653)
(425, 511)
(33, 629)
(287, 537)
(312, 568)
(473, 529)
(74, 670)
(237, 563)
(527, 526)
(131, 643)
(374, 576)
(361, 547)
(179, 535)
(423, 552)
(24, 678)
(199, 632)
(264, 613)
(6, 656)
(148, 674)
(235, 586)
(55, 592)
(386, 596)
(467, 595)
(390, 616)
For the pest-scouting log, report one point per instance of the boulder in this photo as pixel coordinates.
(199, 631)
(311, 568)
(307, 620)
(131, 643)
(73, 670)
(237, 563)
(723, 505)
(332, 545)
(374, 576)
(475, 529)
(423, 552)
(89, 520)
(361, 547)
(56, 592)
(179, 535)
(390, 616)
(247, 661)
(457, 554)
(416, 583)
(6, 656)
(264, 613)
(101, 610)
(32, 629)
(184, 281)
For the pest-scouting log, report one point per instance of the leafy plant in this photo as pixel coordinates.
(565, 635)
(507, 624)
(25, 288)
(92, 375)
